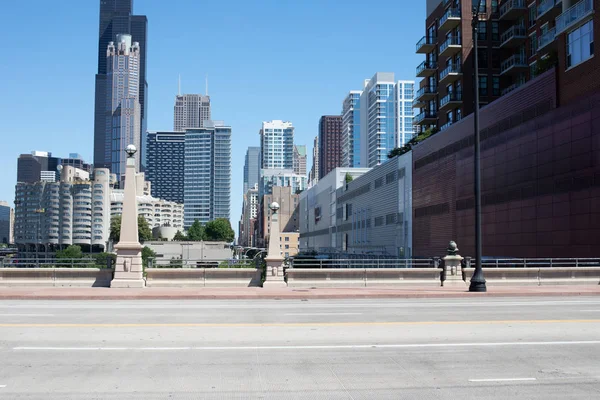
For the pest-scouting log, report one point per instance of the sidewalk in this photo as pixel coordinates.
(68, 293)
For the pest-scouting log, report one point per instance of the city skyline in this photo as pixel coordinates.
(232, 102)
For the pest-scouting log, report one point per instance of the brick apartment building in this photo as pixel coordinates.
(540, 131)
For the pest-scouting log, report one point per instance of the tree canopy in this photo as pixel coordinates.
(398, 151)
(219, 230)
(179, 237)
(196, 232)
(144, 231)
(349, 178)
(72, 251)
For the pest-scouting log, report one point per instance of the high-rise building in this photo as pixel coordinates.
(277, 177)
(6, 220)
(300, 160)
(207, 173)
(251, 168)
(405, 94)
(76, 160)
(191, 111)
(289, 221)
(277, 145)
(165, 164)
(31, 167)
(351, 130)
(249, 214)
(123, 112)
(116, 18)
(313, 177)
(330, 146)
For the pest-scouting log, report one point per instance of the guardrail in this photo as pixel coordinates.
(362, 263)
(203, 263)
(51, 263)
(541, 262)
(203, 277)
(48, 277)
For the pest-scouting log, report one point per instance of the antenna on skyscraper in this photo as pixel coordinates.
(179, 86)
(206, 94)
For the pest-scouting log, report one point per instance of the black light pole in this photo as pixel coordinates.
(477, 280)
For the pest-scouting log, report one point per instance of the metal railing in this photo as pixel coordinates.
(363, 263)
(51, 263)
(426, 40)
(516, 60)
(426, 65)
(450, 13)
(451, 41)
(540, 262)
(515, 31)
(512, 5)
(450, 69)
(203, 263)
(455, 96)
(424, 115)
(573, 15)
(546, 38)
(546, 6)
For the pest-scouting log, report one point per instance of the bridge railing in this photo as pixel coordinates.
(540, 262)
(51, 263)
(363, 263)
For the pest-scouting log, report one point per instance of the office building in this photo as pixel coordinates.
(313, 176)
(74, 210)
(269, 178)
(165, 164)
(116, 19)
(251, 168)
(75, 160)
(123, 112)
(289, 244)
(351, 130)
(249, 215)
(207, 173)
(191, 111)
(300, 159)
(405, 94)
(277, 145)
(6, 223)
(31, 167)
(288, 213)
(330, 143)
(317, 210)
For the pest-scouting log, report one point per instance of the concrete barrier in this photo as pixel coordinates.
(570, 276)
(402, 276)
(202, 277)
(508, 276)
(540, 276)
(48, 277)
(362, 277)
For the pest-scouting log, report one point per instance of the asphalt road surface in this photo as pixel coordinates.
(488, 348)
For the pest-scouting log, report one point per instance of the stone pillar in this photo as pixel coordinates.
(274, 260)
(128, 268)
(452, 267)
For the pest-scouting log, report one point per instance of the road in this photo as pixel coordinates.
(489, 348)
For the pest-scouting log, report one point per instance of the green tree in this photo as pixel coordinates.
(72, 251)
(179, 237)
(349, 178)
(101, 258)
(219, 230)
(144, 231)
(196, 233)
(398, 151)
(147, 253)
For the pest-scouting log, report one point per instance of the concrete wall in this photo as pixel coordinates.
(201, 277)
(74, 277)
(166, 251)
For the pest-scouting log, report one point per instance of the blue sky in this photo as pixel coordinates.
(265, 59)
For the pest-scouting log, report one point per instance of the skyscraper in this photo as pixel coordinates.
(116, 18)
(277, 145)
(300, 160)
(405, 94)
(6, 216)
(313, 177)
(190, 111)
(165, 165)
(123, 112)
(351, 130)
(31, 167)
(330, 149)
(251, 168)
(207, 173)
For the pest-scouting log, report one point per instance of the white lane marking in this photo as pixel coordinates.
(589, 310)
(314, 347)
(502, 380)
(26, 315)
(310, 314)
(2, 386)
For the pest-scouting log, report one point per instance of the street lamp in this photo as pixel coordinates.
(477, 280)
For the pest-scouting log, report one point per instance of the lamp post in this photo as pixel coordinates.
(477, 280)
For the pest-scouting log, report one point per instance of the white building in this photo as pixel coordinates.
(405, 94)
(277, 145)
(190, 111)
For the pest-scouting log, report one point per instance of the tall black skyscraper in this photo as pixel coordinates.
(116, 18)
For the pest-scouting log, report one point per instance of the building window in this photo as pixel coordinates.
(495, 30)
(378, 182)
(483, 85)
(378, 221)
(532, 14)
(287, 238)
(482, 58)
(494, 6)
(580, 44)
(482, 30)
(495, 86)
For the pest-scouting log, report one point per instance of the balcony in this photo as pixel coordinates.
(450, 19)
(425, 118)
(513, 37)
(546, 39)
(424, 94)
(426, 69)
(512, 9)
(450, 47)
(574, 16)
(548, 9)
(451, 101)
(426, 44)
(514, 64)
(450, 74)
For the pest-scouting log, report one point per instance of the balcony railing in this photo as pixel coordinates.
(514, 32)
(451, 15)
(424, 66)
(546, 6)
(574, 15)
(426, 44)
(452, 41)
(512, 6)
(546, 39)
(450, 69)
(425, 115)
(451, 97)
(425, 90)
(516, 60)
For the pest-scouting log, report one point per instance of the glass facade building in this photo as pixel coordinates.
(405, 94)
(351, 130)
(277, 145)
(165, 165)
(207, 173)
(251, 168)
